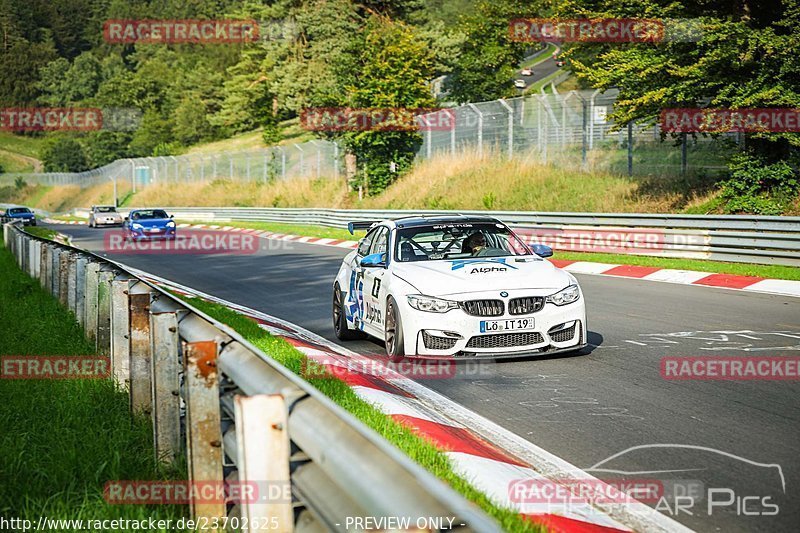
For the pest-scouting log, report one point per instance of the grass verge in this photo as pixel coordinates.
(63, 439)
(741, 269)
(45, 233)
(421, 451)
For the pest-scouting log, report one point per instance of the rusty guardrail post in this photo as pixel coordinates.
(262, 458)
(165, 370)
(120, 332)
(104, 312)
(203, 434)
(55, 269)
(63, 276)
(80, 289)
(72, 282)
(44, 268)
(140, 298)
(91, 280)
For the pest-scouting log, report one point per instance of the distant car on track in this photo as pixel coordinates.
(456, 286)
(142, 224)
(104, 215)
(520, 84)
(526, 72)
(19, 213)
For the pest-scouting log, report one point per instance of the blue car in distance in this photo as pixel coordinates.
(20, 213)
(142, 224)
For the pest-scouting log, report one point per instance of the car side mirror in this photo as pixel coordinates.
(374, 261)
(126, 219)
(542, 250)
(172, 216)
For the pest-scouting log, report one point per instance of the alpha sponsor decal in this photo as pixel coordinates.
(373, 314)
(486, 270)
(458, 264)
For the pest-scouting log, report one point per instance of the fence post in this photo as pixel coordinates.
(584, 134)
(120, 332)
(684, 162)
(510, 127)
(44, 266)
(165, 372)
(283, 162)
(203, 434)
(480, 128)
(80, 289)
(335, 160)
(302, 159)
(630, 148)
(140, 298)
(262, 457)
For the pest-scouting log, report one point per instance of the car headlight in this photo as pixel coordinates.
(430, 304)
(170, 224)
(137, 226)
(565, 296)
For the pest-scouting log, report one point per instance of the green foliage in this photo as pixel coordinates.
(387, 67)
(758, 187)
(20, 183)
(487, 59)
(64, 154)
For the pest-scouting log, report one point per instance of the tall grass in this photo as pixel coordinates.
(62, 440)
(464, 182)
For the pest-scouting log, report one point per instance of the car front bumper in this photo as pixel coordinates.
(107, 222)
(168, 233)
(456, 334)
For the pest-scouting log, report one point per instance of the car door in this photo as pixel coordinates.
(374, 292)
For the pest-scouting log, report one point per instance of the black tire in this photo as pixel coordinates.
(393, 328)
(343, 333)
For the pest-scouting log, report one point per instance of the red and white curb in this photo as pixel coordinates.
(781, 287)
(489, 456)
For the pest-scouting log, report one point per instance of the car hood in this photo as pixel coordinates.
(151, 222)
(458, 276)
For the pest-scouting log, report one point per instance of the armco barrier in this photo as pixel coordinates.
(745, 239)
(246, 418)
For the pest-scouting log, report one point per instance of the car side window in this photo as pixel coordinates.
(366, 242)
(381, 242)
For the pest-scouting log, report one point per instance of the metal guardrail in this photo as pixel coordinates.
(771, 240)
(245, 417)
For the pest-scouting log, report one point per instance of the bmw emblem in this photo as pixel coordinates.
(504, 294)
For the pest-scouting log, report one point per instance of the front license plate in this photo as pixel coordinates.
(512, 324)
(154, 230)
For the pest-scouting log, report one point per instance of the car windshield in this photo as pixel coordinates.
(105, 209)
(456, 241)
(149, 214)
(18, 210)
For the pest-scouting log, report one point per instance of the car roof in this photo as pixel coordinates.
(416, 221)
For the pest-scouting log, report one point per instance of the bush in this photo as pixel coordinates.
(20, 183)
(64, 154)
(758, 187)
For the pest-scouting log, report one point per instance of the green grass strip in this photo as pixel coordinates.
(62, 440)
(420, 450)
(741, 269)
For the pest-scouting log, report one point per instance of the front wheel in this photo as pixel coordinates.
(343, 333)
(394, 333)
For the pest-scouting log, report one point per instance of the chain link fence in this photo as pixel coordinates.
(314, 159)
(573, 130)
(570, 130)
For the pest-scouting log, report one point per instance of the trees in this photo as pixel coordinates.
(484, 69)
(747, 56)
(63, 154)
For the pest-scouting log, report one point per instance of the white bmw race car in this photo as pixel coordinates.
(456, 286)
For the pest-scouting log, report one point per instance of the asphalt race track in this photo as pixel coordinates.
(586, 408)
